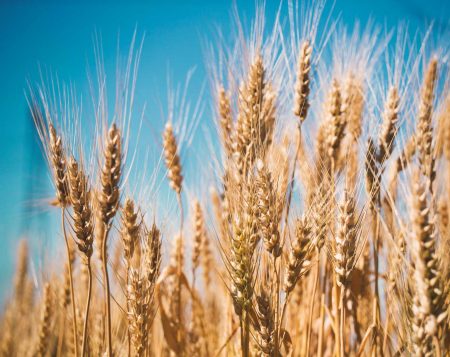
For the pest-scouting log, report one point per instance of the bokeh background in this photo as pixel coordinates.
(58, 36)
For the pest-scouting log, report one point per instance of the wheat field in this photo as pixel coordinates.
(319, 226)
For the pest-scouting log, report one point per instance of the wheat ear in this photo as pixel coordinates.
(249, 138)
(424, 124)
(268, 215)
(345, 254)
(172, 159)
(354, 106)
(337, 123)
(389, 128)
(428, 311)
(108, 204)
(21, 274)
(298, 256)
(266, 330)
(301, 103)
(58, 161)
(44, 324)
(83, 226)
(226, 121)
(199, 237)
(130, 230)
(242, 260)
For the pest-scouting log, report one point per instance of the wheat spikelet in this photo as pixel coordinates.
(172, 158)
(346, 240)
(354, 106)
(207, 261)
(243, 242)
(152, 263)
(241, 264)
(44, 324)
(140, 289)
(337, 123)
(226, 121)
(153, 253)
(352, 166)
(141, 282)
(428, 314)
(266, 330)
(130, 229)
(21, 275)
(7, 339)
(250, 123)
(199, 235)
(424, 125)
(372, 175)
(268, 214)
(445, 133)
(58, 163)
(267, 122)
(388, 129)
(110, 175)
(242, 259)
(298, 255)
(138, 304)
(83, 223)
(301, 104)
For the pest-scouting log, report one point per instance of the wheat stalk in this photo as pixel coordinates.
(83, 222)
(108, 204)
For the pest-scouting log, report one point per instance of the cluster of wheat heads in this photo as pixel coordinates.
(326, 230)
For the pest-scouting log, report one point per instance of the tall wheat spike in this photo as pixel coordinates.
(109, 196)
(428, 314)
(302, 86)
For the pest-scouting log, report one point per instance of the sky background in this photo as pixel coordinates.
(58, 35)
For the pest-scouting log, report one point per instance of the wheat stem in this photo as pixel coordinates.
(311, 307)
(342, 323)
(72, 295)
(321, 326)
(107, 290)
(88, 304)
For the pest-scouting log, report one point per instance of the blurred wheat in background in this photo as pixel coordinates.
(320, 227)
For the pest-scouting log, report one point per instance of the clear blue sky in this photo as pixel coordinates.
(59, 36)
